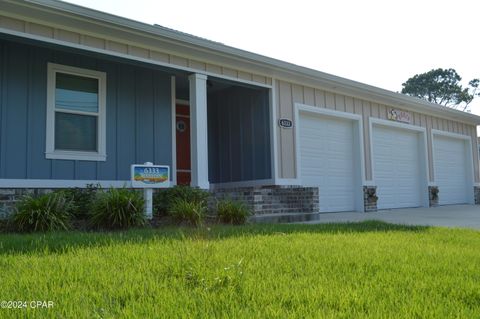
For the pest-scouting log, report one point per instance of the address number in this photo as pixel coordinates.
(285, 123)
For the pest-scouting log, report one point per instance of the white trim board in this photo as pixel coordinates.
(358, 141)
(198, 130)
(424, 155)
(450, 134)
(173, 171)
(273, 132)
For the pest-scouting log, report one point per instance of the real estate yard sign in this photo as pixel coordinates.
(148, 177)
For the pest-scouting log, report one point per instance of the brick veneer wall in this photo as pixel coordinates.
(9, 196)
(273, 199)
(260, 199)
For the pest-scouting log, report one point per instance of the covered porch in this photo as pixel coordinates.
(223, 132)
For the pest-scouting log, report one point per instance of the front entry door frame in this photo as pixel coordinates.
(183, 152)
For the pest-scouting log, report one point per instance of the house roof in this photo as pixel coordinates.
(277, 67)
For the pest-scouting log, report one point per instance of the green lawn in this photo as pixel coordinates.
(361, 270)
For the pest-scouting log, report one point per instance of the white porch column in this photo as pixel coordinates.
(198, 130)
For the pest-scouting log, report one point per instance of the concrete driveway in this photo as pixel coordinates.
(465, 216)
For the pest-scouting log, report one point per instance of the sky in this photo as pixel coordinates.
(381, 43)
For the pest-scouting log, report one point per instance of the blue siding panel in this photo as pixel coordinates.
(144, 116)
(126, 147)
(162, 114)
(63, 169)
(3, 106)
(16, 113)
(235, 138)
(38, 166)
(261, 131)
(247, 156)
(85, 170)
(108, 170)
(239, 136)
(138, 114)
(213, 145)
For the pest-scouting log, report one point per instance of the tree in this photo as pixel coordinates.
(442, 86)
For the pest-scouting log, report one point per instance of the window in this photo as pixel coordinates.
(75, 114)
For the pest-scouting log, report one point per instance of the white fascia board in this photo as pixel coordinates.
(281, 69)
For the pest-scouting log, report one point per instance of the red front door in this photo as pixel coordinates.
(183, 144)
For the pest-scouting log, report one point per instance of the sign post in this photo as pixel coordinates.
(148, 198)
(148, 177)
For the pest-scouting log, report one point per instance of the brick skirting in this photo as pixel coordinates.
(260, 199)
(273, 199)
(10, 196)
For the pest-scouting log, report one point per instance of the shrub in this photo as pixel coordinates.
(191, 212)
(82, 199)
(164, 199)
(232, 212)
(117, 208)
(43, 213)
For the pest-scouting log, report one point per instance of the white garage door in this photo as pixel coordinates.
(450, 158)
(396, 164)
(327, 161)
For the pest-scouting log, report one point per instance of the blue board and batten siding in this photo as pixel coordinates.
(138, 122)
(238, 135)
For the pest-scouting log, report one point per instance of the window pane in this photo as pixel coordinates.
(74, 92)
(75, 132)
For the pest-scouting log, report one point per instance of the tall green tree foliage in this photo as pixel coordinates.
(442, 86)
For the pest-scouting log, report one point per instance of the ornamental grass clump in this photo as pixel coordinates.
(232, 212)
(49, 212)
(117, 208)
(190, 212)
(165, 199)
(82, 199)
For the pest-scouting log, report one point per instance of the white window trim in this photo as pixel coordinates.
(50, 152)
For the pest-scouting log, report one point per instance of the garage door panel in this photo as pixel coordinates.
(396, 163)
(450, 164)
(326, 160)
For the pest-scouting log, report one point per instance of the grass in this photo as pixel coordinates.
(369, 269)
